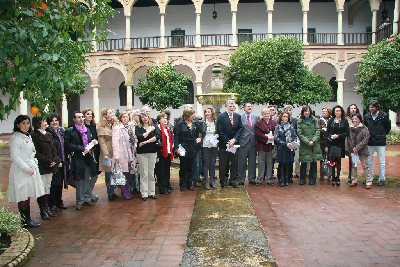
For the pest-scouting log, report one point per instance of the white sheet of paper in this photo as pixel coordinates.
(214, 141)
(181, 150)
(355, 158)
(232, 149)
(270, 141)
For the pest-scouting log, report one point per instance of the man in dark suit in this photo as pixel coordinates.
(247, 142)
(228, 129)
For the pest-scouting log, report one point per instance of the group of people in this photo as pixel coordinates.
(142, 148)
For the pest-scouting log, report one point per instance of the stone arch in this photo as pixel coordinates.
(350, 96)
(327, 61)
(188, 71)
(109, 82)
(330, 73)
(206, 77)
(119, 67)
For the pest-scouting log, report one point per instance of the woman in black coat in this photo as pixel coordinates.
(59, 176)
(337, 132)
(188, 135)
(285, 139)
(48, 162)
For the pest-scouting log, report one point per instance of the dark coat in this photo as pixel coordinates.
(378, 128)
(96, 148)
(46, 151)
(309, 131)
(187, 138)
(262, 128)
(358, 139)
(282, 138)
(151, 147)
(342, 130)
(322, 134)
(61, 176)
(226, 130)
(78, 162)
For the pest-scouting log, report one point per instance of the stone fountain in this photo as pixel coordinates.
(216, 98)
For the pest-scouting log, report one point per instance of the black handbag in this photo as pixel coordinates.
(335, 152)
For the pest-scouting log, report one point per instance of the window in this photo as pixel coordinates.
(245, 35)
(334, 86)
(122, 95)
(190, 97)
(178, 37)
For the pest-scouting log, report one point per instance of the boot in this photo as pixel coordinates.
(26, 220)
(42, 207)
(46, 206)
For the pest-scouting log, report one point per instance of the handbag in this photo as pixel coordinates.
(117, 175)
(335, 152)
(326, 169)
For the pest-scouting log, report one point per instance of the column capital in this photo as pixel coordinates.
(339, 5)
(270, 4)
(95, 86)
(234, 4)
(340, 80)
(374, 4)
(305, 5)
(197, 5)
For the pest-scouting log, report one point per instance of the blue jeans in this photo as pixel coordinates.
(381, 150)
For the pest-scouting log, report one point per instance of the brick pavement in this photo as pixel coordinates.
(330, 226)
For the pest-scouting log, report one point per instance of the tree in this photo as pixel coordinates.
(42, 49)
(272, 71)
(163, 87)
(379, 74)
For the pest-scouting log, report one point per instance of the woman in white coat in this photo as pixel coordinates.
(24, 179)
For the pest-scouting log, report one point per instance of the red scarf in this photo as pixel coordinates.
(164, 143)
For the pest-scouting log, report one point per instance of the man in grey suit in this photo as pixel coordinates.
(247, 142)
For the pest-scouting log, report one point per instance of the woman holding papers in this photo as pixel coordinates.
(286, 141)
(265, 129)
(308, 131)
(187, 135)
(210, 150)
(337, 132)
(358, 147)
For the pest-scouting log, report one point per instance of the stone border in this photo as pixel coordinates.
(20, 251)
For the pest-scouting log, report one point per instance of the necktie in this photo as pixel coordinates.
(231, 118)
(248, 121)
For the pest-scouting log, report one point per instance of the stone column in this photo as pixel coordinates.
(269, 31)
(305, 28)
(127, 32)
(198, 37)
(96, 101)
(340, 99)
(64, 111)
(129, 97)
(23, 104)
(199, 91)
(396, 17)
(340, 27)
(162, 30)
(374, 27)
(94, 42)
(234, 35)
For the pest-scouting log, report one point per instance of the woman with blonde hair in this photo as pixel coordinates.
(187, 135)
(210, 148)
(147, 136)
(104, 132)
(124, 150)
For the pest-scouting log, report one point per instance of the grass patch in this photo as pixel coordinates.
(392, 181)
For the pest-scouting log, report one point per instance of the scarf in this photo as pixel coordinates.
(82, 130)
(164, 143)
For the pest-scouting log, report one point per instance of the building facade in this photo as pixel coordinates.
(196, 34)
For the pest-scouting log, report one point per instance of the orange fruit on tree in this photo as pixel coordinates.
(35, 110)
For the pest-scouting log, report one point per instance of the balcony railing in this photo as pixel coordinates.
(384, 31)
(226, 39)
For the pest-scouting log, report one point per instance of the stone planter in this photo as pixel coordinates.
(20, 250)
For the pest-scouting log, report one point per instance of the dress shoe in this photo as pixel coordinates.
(368, 186)
(258, 183)
(31, 224)
(144, 198)
(153, 197)
(252, 182)
(95, 198)
(338, 183)
(78, 207)
(55, 209)
(381, 183)
(44, 215)
(353, 184)
(270, 183)
(63, 206)
(51, 214)
(333, 183)
(191, 188)
(302, 183)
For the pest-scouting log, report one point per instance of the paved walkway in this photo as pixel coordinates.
(306, 226)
